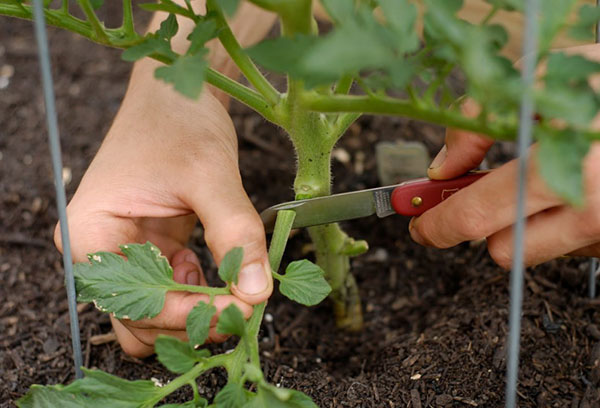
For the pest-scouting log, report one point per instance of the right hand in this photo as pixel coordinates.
(166, 162)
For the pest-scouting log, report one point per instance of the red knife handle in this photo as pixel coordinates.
(416, 197)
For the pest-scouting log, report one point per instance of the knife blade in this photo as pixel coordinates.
(411, 198)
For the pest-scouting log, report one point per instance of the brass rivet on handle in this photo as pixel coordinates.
(416, 201)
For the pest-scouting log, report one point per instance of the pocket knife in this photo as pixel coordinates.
(411, 198)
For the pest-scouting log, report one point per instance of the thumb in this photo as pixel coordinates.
(230, 221)
(462, 152)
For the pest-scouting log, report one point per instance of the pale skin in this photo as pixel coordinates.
(162, 167)
(487, 208)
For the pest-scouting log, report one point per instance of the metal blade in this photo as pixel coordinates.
(334, 208)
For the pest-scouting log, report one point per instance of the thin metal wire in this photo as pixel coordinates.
(61, 200)
(530, 45)
(592, 277)
(597, 25)
(594, 261)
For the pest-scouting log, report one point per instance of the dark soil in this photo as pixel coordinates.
(436, 321)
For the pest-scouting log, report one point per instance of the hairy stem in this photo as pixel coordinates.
(376, 104)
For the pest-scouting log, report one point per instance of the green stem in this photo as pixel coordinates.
(343, 122)
(98, 27)
(243, 94)
(240, 355)
(281, 232)
(128, 26)
(330, 244)
(489, 15)
(344, 85)
(65, 7)
(194, 386)
(181, 380)
(200, 289)
(393, 106)
(241, 59)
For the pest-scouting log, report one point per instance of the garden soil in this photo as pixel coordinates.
(435, 321)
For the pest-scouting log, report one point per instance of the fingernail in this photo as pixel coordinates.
(252, 279)
(191, 257)
(414, 234)
(439, 159)
(192, 278)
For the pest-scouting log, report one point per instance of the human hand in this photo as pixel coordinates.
(161, 166)
(487, 208)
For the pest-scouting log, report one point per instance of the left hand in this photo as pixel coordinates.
(487, 208)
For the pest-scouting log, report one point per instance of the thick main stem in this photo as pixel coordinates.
(310, 133)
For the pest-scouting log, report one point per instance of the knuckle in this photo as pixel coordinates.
(500, 252)
(471, 223)
(430, 234)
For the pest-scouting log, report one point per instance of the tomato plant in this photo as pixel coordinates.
(375, 60)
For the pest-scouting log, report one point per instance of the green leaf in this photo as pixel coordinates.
(186, 74)
(304, 283)
(169, 7)
(282, 54)
(201, 403)
(96, 4)
(559, 159)
(149, 45)
(555, 15)
(231, 264)
(198, 323)
(269, 396)
(509, 5)
(400, 15)
(583, 28)
(575, 105)
(231, 396)
(253, 373)
(563, 69)
(229, 6)
(232, 321)
(168, 28)
(96, 390)
(134, 288)
(347, 50)
(339, 10)
(178, 356)
(203, 32)
(98, 384)
(46, 397)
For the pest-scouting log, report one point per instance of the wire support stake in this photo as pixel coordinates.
(530, 45)
(594, 261)
(597, 25)
(593, 273)
(61, 199)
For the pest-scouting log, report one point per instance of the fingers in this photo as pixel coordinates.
(187, 269)
(462, 152)
(549, 234)
(481, 209)
(139, 343)
(179, 304)
(137, 337)
(129, 343)
(230, 220)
